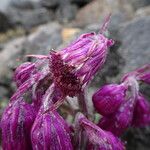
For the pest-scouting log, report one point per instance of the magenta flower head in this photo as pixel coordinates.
(50, 132)
(74, 66)
(141, 116)
(99, 139)
(120, 120)
(108, 99)
(142, 74)
(16, 124)
(24, 72)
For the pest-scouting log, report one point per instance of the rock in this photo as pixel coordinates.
(138, 139)
(66, 12)
(3, 92)
(27, 13)
(4, 4)
(95, 11)
(50, 3)
(45, 38)
(9, 55)
(80, 3)
(5, 23)
(145, 11)
(135, 52)
(68, 33)
(139, 3)
(29, 18)
(24, 4)
(134, 37)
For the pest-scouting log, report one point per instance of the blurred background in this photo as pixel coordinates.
(37, 26)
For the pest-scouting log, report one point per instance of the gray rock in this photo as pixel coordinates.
(29, 18)
(134, 37)
(66, 12)
(137, 139)
(9, 55)
(95, 11)
(80, 3)
(135, 52)
(27, 13)
(45, 38)
(144, 11)
(139, 3)
(4, 4)
(3, 92)
(5, 23)
(25, 4)
(50, 3)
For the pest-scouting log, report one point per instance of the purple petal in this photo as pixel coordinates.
(141, 115)
(100, 139)
(119, 122)
(16, 124)
(108, 99)
(50, 131)
(24, 72)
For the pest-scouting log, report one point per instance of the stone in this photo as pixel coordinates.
(95, 11)
(50, 3)
(134, 37)
(24, 4)
(9, 55)
(66, 12)
(27, 13)
(80, 3)
(145, 11)
(5, 23)
(30, 17)
(136, 4)
(45, 38)
(68, 33)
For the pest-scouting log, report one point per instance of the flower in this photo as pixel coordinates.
(99, 139)
(74, 66)
(24, 72)
(141, 116)
(141, 74)
(16, 124)
(50, 131)
(108, 99)
(119, 122)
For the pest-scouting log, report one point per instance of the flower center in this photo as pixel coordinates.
(64, 75)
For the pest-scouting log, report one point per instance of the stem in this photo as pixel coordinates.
(83, 103)
(105, 24)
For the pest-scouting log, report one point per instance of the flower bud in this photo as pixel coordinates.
(118, 122)
(24, 72)
(99, 139)
(74, 66)
(50, 132)
(16, 124)
(142, 73)
(109, 98)
(141, 116)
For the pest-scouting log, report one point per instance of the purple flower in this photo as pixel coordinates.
(109, 98)
(16, 124)
(142, 74)
(141, 116)
(24, 72)
(119, 122)
(50, 131)
(39, 90)
(74, 66)
(99, 139)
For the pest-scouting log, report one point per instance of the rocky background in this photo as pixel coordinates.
(37, 26)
